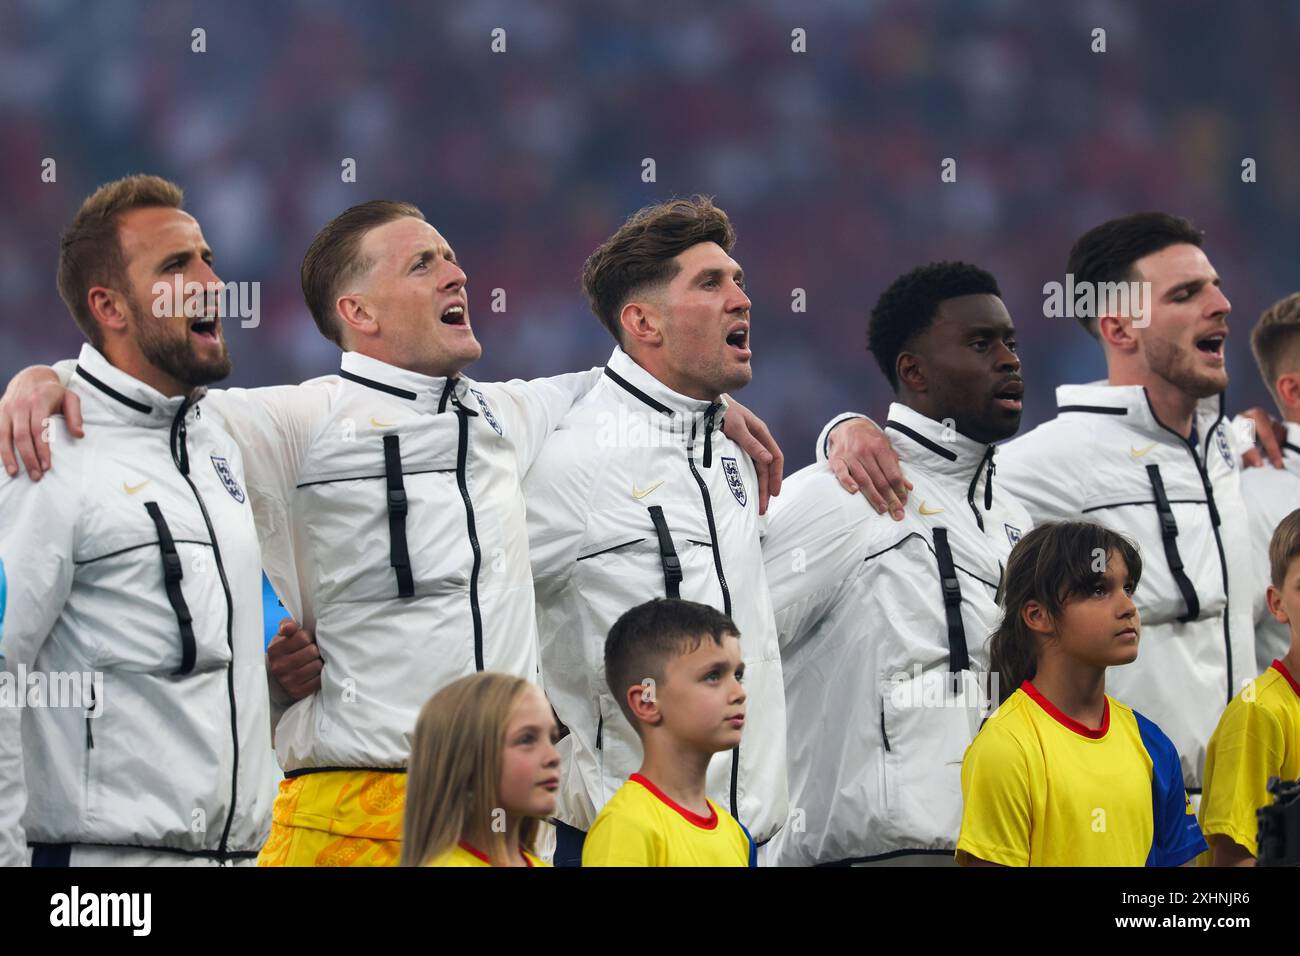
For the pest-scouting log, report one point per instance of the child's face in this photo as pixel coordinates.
(530, 765)
(1102, 628)
(1284, 604)
(701, 699)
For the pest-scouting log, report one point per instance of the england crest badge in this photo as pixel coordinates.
(1013, 534)
(227, 478)
(487, 411)
(734, 481)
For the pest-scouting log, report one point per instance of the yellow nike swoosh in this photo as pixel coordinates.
(929, 511)
(132, 489)
(378, 424)
(1138, 453)
(638, 495)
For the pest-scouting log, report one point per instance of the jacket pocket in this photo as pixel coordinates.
(925, 729)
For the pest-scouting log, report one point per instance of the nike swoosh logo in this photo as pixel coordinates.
(929, 511)
(132, 489)
(1138, 453)
(378, 424)
(638, 495)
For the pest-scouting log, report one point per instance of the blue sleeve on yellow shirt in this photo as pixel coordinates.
(753, 849)
(1177, 836)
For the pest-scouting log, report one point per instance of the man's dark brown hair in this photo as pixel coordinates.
(639, 257)
(90, 252)
(334, 258)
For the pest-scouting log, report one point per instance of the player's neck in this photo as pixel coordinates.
(679, 772)
(132, 361)
(1076, 690)
(479, 837)
(1173, 407)
(1292, 660)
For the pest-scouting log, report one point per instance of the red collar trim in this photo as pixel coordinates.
(475, 851)
(704, 823)
(1069, 723)
(1281, 669)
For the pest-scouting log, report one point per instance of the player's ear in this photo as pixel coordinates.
(1274, 598)
(909, 371)
(644, 702)
(1037, 618)
(355, 315)
(108, 308)
(1117, 332)
(641, 323)
(1288, 390)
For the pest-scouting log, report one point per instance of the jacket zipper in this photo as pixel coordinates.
(180, 456)
(462, 454)
(1214, 524)
(717, 564)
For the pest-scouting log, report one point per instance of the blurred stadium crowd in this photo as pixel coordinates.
(828, 161)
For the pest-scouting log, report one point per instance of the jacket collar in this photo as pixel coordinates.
(1131, 405)
(933, 445)
(125, 397)
(1292, 445)
(427, 392)
(642, 388)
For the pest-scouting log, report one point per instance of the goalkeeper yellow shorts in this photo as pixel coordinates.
(337, 818)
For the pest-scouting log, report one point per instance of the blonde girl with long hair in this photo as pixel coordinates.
(482, 775)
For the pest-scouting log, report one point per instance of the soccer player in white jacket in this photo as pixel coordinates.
(638, 494)
(883, 624)
(418, 469)
(1273, 493)
(131, 575)
(1149, 454)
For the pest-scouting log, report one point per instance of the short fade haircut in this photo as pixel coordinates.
(334, 258)
(639, 256)
(647, 637)
(1275, 342)
(1283, 548)
(1107, 253)
(90, 251)
(909, 306)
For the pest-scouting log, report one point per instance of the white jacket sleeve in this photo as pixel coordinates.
(38, 521)
(274, 428)
(532, 409)
(556, 490)
(815, 539)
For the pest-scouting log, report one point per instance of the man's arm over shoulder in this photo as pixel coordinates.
(531, 409)
(816, 535)
(557, 490)
(273, 427)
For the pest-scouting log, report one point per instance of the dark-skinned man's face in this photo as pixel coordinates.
(964, 368)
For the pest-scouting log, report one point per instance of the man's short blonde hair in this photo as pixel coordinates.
(90, 253)
(1275, 340)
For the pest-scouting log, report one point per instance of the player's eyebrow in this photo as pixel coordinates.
(1191, 285)
(183, 256)
(713, 272)
(1003, 330)
(426, 255)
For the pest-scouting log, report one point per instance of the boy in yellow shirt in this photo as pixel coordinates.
(1258, 736)
(675, 669)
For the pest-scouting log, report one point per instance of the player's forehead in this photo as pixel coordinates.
(976, 311)
(1175, 265)
(704, 256)
(407, 236)
(530, 709)
(155, 230)
(708, 651)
